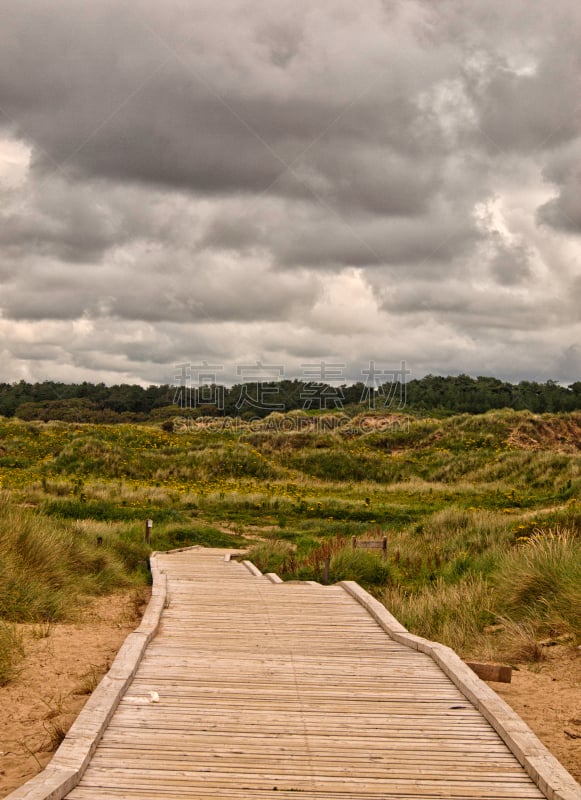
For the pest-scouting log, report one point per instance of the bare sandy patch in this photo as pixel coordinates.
(63, 664)
(547, 696)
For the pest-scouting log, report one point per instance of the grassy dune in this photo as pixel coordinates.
(481, 512)
(48, 568)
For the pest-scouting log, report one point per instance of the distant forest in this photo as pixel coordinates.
(88, 402)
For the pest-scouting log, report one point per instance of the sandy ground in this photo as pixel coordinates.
(547, 695)
(59, 672)
(61, 668)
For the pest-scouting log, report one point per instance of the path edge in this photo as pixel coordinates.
(540, 764)
(68, 764)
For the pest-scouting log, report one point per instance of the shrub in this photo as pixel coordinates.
(345, 563)
(367, 568)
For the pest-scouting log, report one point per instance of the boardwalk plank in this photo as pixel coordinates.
(281, 691)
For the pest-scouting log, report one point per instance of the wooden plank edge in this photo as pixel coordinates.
(50, 784)
(545, 770)
(195, 547)
(180, 549)
(252, 569)
(273, 577)
(67, 766)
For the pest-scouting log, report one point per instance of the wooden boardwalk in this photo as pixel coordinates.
(270, 690)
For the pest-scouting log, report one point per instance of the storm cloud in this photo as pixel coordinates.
(281, 182)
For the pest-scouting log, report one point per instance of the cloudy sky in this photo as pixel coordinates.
(289, 182)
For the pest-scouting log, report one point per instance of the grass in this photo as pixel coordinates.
(56, 730)
(343, 562)
(89, 680)
(455, 614)
(481, 512)
(539, 582)
(11, 652)
(42, 630)
(47, 566)
(533, 591)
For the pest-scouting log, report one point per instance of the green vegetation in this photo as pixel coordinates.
(11, 651)
(453, 613)
(540, 582)
(333, 554)
(441, 396)
(481, 512)
(46, 566)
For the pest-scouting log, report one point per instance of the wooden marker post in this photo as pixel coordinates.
(148, 527)
(372, 544)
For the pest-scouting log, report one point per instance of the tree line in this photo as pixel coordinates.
(89, 402)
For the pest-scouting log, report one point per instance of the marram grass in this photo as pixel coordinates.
(539, 581)
(48, 565)
(11, 651)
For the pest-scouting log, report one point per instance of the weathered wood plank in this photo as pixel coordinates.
(491, 672)
(275, 690)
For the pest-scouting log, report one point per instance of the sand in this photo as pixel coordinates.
(547, 695)
(58, 673)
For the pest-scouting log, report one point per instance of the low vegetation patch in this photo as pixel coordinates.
(331, 561)
(453, 613)
(539, 582)
(11, 651)
(482, 512)
(47, 566)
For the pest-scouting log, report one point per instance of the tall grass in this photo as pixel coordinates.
(11, 651)
(344, 562)
(363, 566)
(453, 496)
(540, 582)
(47, 566)
(276, 556)
(533, 589)
(454, 614)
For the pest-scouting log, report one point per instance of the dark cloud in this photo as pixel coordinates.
(108, 92)
(563, 212)
(510, 263)
(534, 112)
(250, 178)
(330, 239)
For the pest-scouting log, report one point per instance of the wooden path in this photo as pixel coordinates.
(236, 685)
(289, 690)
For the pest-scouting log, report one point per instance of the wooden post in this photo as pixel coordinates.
(354, 541)
(384, 547)
(148, 527)
(491, 672)
(326, 570)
